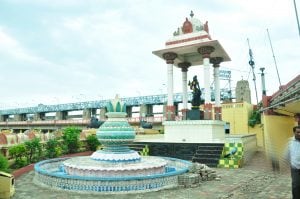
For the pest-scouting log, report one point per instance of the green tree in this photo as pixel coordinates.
(71, 139)
(33, 150)
(92, 142)
(18, 152)
(3, 163)
(254, 118)
(53, 148)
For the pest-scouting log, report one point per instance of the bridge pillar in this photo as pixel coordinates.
(3, 118)
(20, 117)
(102, 114)
(39, 116)
(146, 110)
(61, 115)
(176, 109)
(129, 111)
(88, 113)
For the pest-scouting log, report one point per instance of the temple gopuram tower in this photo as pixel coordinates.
(192, 45)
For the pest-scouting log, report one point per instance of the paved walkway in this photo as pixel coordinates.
(255, 180)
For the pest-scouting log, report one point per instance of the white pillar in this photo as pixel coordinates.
(170, 85)
(170, 57)
(206, 65)
(217, 87)
(216, 64)
(184, 89)
(184, 68)
(205, 51)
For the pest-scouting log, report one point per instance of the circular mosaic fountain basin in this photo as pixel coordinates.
(49, 173)
(85, 166)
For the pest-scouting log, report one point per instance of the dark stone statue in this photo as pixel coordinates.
(95, 123)
(195, 113)
(194, 86)
(145, 124)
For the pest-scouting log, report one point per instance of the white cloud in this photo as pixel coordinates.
(105, 46)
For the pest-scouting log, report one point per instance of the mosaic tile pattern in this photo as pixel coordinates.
(235, 160)
(49, 173)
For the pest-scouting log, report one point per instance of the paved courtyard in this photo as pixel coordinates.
(255, 180)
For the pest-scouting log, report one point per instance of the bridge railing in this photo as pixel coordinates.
(45, 122)
(81, 122)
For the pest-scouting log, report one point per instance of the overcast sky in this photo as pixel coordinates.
(60, 51)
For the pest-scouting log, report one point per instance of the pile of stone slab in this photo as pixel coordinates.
(197, 174)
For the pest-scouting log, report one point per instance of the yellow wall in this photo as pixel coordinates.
(237, 114)
(259, 132)
(277, 131)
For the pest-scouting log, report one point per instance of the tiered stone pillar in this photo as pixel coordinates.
(216, 64)
(170, 112)
(205, 51)
(184, 68)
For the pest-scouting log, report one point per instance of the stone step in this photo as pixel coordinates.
(206, 155)
(211, 162)
(207, 151)
(210, 147)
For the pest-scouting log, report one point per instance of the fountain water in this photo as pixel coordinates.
(114, 169)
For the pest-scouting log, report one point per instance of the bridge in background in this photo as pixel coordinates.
(38, 116)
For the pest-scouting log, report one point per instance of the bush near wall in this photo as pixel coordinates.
(53, 148)
(33, 150)
(92, 142)
(70, 139)
(18, 152)
(3, 163)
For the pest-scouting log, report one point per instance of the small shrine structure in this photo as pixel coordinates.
(192, 45)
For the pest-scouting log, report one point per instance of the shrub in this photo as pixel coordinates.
(20, 163)
(18, 152)
(3, 163)
(254, 119)
(92, 142)
(71, 139)
(53, 148)
(33, 150)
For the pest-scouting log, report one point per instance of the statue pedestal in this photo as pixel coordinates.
(195, 114)
(194, 131)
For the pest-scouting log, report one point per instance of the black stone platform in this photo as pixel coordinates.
(209, 154)
(205, 153)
